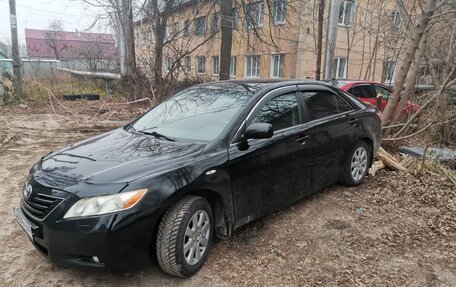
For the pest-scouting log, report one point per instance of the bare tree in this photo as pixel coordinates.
(6, 47)
(53, 34)
(94, 56)
(428, 7)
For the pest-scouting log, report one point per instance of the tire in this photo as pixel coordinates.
(176, 229)
(71, 97)
(356, 165)
(90, 97)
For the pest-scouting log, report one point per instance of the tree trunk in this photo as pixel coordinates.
(410, 83)
(160, 20)
(226, 26)
(429, 8)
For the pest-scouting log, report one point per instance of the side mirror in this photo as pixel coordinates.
(258, 131)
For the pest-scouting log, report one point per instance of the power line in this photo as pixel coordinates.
(52, 12)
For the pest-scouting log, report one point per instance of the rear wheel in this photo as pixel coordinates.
(185, 236)
(356, 165)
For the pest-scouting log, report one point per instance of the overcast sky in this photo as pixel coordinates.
(37, 14)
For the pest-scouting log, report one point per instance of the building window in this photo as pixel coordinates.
(233, 67)
(215, 23)
(252, 66)
(171, 31)
(277, 65)
(396, 19)
(280, 11)
(340, 68)
(175, 29)
(168, 62)
(254, 15)
(235, 20)
(389, 71)
(200, 26)
(188, 63)
(215, 65)
(187, 29)
(346, 13)
(201, 60)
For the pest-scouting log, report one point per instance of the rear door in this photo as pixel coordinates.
(269, 173)
(332, 129)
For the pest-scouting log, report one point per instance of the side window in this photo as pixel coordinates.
(342, 105)
(383, 92)
(362, 91)
(321, 104)
(281, 112)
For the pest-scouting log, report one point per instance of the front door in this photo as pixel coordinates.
(270, 173)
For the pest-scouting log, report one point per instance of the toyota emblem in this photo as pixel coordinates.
(27, 190)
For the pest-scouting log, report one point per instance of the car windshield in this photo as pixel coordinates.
(198, 113)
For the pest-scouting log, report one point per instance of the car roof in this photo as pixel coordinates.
(257, 85)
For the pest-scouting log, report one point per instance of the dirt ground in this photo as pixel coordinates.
(396, 229)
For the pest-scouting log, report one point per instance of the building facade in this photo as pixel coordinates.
(277, 39)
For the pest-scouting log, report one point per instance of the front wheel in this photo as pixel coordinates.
(185, 236)
(356, 165)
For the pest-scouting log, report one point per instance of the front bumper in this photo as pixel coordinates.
(117, 242)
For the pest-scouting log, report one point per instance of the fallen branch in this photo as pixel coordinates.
(451, 175)
(99, 110)
(376, 166)
(393, 126)
(50, 101)
(418, 132)
(51, 94)
(389, 160)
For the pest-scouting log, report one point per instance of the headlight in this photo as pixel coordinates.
(105, 204)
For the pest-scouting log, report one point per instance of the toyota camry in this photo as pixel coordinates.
(204, 162)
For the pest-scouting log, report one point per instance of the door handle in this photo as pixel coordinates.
(303, 140)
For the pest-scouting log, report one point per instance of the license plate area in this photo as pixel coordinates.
(28, 226)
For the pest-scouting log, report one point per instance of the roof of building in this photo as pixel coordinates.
(70, 45)
(70, 36)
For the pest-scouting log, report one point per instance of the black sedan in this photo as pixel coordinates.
(201, 164)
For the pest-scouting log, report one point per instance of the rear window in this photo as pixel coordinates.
(321, 104)
(362, 91)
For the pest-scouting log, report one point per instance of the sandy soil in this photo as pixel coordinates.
(394, 230)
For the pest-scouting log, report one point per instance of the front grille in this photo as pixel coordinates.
(40, 205)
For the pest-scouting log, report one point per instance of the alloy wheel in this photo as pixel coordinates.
(196, 238)
(359, 164)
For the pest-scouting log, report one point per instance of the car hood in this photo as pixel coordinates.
(115, 157)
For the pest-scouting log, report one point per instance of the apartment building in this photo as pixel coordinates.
(277, 39)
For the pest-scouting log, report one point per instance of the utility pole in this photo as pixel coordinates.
(321, 15)
(126, 38)
(226, 26)
(334, 7)
(16, 59)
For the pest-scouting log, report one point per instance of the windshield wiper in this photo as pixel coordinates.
(158, 135)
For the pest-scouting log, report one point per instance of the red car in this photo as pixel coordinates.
(374, 93)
